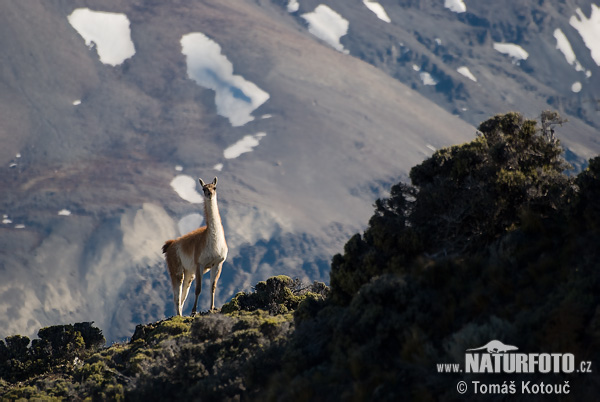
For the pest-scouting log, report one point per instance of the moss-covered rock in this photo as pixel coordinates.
(155, 332)
(277, 295)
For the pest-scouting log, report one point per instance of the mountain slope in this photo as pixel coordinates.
(480, 59)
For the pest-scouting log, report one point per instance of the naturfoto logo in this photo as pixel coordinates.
(495, 357)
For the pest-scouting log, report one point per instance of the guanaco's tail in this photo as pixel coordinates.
(165, 247)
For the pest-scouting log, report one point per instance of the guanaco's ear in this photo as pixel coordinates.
(215, 181)
(201, 182)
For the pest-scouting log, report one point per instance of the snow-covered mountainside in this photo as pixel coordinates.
(306, 111)
(475, 58)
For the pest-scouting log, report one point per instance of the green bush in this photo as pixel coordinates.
(57, 345)
(461, 200)
(277, 295)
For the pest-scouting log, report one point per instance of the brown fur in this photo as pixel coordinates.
(191, 244)
(166, 246)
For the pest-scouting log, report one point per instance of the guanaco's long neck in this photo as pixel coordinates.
(212, 216)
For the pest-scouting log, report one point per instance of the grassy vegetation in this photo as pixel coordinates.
(218, 356)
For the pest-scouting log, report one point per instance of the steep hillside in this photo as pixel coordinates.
(477, 59)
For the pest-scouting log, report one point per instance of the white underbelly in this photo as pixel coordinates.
(212, 256)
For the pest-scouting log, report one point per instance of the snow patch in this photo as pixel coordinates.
(464, 70)
(512, 50)
(77, 102)
(179, 168)
(576, 87)
(20, 226)
(64, 212)
(108, 32)
(218, 167)
(5, 220)
(189, 222)
(235, 97)
(457, 6)
(293, 6)
(378, 9)
(246, 144)
(427, 79)
(563, 44)
(185, 187)
(327, 25)
(589, 29)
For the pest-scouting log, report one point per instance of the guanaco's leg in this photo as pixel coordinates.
(215, 273)
(188, 277)
(198, 289)
(177, 282)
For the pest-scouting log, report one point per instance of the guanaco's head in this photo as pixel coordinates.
(209, 189)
